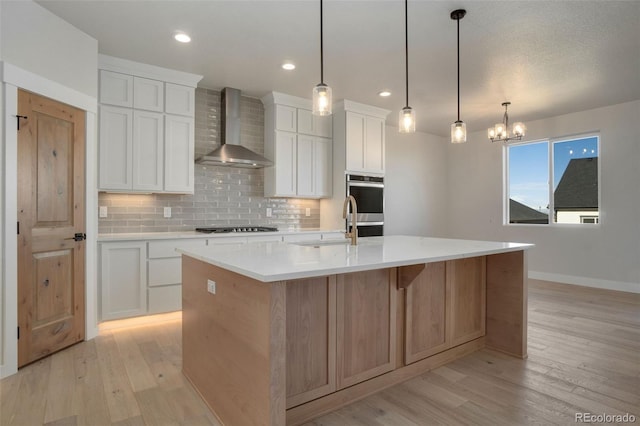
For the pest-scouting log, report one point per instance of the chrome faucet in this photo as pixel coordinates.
(354, 215)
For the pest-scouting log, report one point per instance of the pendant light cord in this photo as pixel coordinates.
(321, 48)
(458, 20)
(406, 54)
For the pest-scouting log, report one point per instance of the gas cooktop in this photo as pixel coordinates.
(225, 229)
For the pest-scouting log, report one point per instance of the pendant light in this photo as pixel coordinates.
(322, 92)
(407, 118)
(458, 128)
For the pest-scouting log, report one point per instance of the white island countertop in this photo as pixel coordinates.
(277, 261)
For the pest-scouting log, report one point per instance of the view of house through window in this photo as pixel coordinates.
(555, 179)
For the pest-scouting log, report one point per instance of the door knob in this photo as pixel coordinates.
(78, 237)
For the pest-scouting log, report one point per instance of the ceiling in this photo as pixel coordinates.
(547, 58)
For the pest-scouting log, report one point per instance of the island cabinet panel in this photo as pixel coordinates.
(426, 310)
(467, 281)
(311, 339)
(366, 325)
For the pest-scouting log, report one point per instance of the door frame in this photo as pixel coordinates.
(14, 78)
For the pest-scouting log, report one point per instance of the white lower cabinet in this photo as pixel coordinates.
(123, 279)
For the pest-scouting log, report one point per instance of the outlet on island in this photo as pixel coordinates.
(211, 286)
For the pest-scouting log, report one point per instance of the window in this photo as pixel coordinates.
(553, 181)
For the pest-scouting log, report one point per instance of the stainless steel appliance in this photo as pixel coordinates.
(225, 229)
(369, 194)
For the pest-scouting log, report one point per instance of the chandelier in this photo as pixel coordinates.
(500, 132)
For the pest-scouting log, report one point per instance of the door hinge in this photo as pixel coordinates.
(18, 228)
(18, 333)
(18, 117)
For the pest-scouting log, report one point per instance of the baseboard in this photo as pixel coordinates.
(586, 282)
(6, 371)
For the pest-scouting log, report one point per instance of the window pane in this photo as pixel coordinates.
(575, 181)
(529, 183)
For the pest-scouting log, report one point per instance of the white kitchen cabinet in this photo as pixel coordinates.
(180, 99)
(147, 145)
(314, 125)
(148, 151)
(116, 148)
(116, 89)
(123, 278)
(148, 94)
(301, 154)
(364, 143)
(179, 147)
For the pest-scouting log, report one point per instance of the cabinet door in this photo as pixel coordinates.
(148, 139)
(323, 167)
(306, 122)
(306, 166)
(426, 310)
(179, 99)
(366, 325)
(165, 299)
(148, 94)
(355, 141)
(286, 164)
(116, 148)
(178, 154)
(311, 339)
(286, 118)
(374, 145)
(123, 280)
(116, 89)
(467, 281)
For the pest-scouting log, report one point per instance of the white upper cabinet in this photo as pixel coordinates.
(116, 89)
(147, 137)
(296, 142)
(180, 99)
(148, 94)
(359, 138)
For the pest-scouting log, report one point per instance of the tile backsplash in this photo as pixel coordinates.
(222, 196)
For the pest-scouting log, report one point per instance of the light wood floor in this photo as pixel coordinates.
(584, 356)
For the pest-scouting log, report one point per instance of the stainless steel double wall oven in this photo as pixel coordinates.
(369, 194)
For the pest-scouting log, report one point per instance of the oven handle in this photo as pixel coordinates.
(366, 185)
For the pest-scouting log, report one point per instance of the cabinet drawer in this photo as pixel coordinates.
(302, 237)
(159, 249)
(264, 238)
(165, 271)
(165, 299)
(226, 240)
(333, 236)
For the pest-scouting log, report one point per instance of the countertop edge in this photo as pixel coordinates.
(147, 236)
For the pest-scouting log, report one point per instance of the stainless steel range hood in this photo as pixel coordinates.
(230, 153)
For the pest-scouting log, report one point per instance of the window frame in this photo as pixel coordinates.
(550, 145)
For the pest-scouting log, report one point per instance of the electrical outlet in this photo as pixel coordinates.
(211, 286)
(167, 212)
(307, 212)
(103, 211)
(269, 212)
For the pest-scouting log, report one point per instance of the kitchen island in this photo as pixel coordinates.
(279, 333)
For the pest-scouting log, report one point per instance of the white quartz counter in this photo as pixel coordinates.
(276, 261)
(140, 236)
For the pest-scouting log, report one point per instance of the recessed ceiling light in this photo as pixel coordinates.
(384, 93)
(288, 66)
(182, 37)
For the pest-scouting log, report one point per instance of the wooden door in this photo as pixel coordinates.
(427, 296)
(467, 280)
(366, 325)
(311, 339)
(51, 211)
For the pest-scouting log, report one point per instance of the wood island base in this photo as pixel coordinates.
(285, 352)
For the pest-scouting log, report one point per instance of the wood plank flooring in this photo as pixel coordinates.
(584, 356)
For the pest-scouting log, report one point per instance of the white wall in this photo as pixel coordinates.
(415, 184)
(605, 256)
(43, 54)
(36, 40)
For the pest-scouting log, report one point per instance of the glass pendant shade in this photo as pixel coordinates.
(519, 129)
(458, 132)
(500, 130)
(491, 132)
(322, 100)
(407, 120)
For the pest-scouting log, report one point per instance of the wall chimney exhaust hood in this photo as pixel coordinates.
(230, 153)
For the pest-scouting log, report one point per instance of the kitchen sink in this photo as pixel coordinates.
(318, 243)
